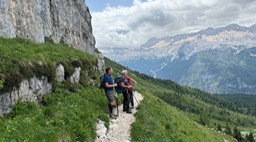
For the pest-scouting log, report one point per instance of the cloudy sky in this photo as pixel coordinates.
(130, 23)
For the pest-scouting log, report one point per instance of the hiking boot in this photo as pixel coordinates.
(132, 107)
(112, 116)
(129, 111)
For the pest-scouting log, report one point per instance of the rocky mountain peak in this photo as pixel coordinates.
(235, 27)
(253, 28)
(197, 59)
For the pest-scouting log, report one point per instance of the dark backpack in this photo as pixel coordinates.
(118, 88)
(102, 82)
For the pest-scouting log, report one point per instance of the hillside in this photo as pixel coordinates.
(70, 111)
(220, 60)
(67, 113)
(183, 103)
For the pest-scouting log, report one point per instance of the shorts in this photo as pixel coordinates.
(110, 95)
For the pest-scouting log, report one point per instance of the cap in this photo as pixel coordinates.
(124, 72)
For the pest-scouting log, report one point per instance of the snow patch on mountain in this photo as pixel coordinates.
(192, 45)
(243, 85)
(211, 59)
(253, 55)
(184, 46)
(154, 72)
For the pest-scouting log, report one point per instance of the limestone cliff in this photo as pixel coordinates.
(32, 90)
(67, 21)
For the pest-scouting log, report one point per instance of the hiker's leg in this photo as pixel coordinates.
(111, 113)
(110, 96)
(128, 101)
(124, 100)
(112, 99)
(131, 98)
(113, 103)
(110, 107)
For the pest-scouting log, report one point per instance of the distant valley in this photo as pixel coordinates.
(220, 60)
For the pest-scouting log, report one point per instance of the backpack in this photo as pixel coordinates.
(102, 84)
(118, 88)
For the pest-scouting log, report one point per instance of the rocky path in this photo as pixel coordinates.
(120, 129)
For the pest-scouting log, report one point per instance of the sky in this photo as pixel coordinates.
(130, 23)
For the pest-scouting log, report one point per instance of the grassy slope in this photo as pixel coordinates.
(27, 52)
(158, 121)
(21, 59)
(67, 114)
(71, 116)
(193, 102)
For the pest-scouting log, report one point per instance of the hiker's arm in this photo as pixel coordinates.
(124, 86)
(110, 86)
(134, 81)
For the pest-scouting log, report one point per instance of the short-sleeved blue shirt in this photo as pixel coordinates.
(108, 79)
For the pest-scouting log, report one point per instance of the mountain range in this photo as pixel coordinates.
(217, 60)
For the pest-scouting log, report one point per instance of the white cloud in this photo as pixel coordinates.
(132, 26)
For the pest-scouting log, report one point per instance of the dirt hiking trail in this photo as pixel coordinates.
(120, 128)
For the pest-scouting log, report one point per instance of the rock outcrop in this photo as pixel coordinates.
(32, 90)
(101, 129)
(75, 76)
(60, 73)
(62, 21)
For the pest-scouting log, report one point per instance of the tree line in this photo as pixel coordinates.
(236, 133)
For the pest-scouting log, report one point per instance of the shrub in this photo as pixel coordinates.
(48, 40)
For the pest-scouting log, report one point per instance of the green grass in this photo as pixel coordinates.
(27, 51)
(157, 121)
(247, 102)
(69, 113)
(64, 116)
(193, 101)
(22, 59)
(160, 121)
(215, 113)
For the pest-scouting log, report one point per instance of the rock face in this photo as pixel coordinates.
(67, 21)
(60, 73)
(29, 90)
(75, 76)
(33, 89)
(101, 61)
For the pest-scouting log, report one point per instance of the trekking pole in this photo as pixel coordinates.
(136, 100)
(134, 94)
(135, 97)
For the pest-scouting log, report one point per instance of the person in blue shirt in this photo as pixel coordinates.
(109, 91)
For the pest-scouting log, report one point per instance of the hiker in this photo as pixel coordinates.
(125, 86)
(109, 90)
(130, 81)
